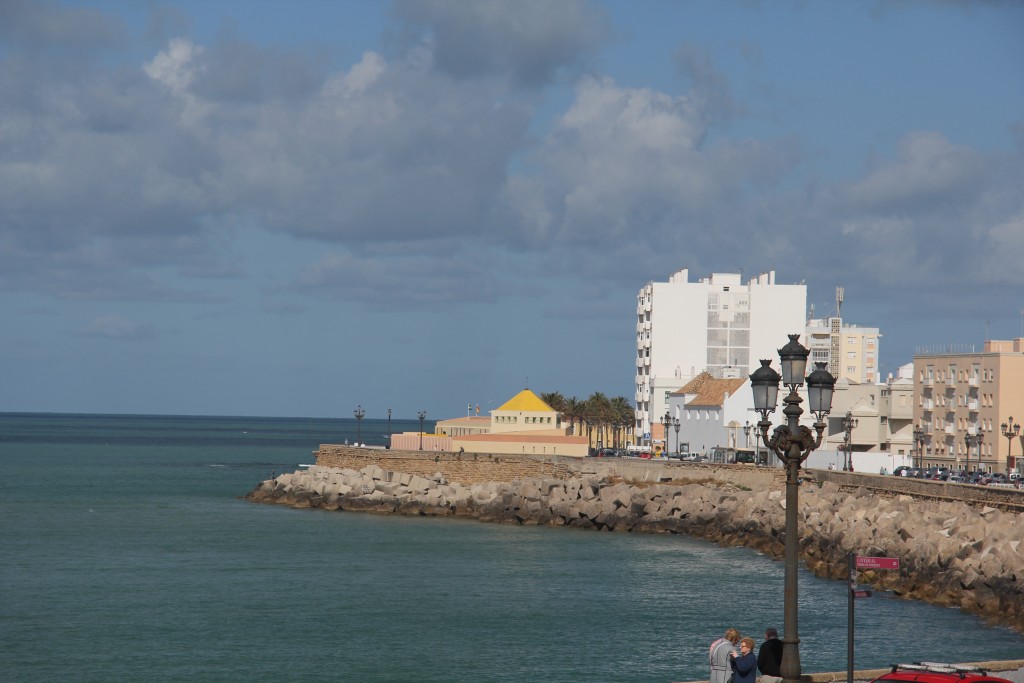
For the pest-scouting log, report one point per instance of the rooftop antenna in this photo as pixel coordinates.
(839, 302)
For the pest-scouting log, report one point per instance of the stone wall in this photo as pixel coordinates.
(1005, 498)
(472, 468)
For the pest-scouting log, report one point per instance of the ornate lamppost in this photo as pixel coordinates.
(1010, 431)
(665, 423)
(973, 440)
(849, 422)
(919, 442)
(389, 427)
(792, 443)
(676, 425)
(422, 414)
(359, 413)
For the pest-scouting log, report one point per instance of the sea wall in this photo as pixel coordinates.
(951, 553)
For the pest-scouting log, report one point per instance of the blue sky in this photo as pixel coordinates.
(271, 208)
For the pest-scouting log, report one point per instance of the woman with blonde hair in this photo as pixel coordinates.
(744, 664)
(719, 655)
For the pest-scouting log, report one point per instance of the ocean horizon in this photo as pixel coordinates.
(131, 555)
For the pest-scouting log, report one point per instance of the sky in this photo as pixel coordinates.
(275, 208)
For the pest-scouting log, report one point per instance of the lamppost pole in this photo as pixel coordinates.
(389, 428)
(676, 425)
(792, 443)
(849, 422)
(665, 422)
(919, 442)
(1010, 431)
(359, 413)
(422, 414)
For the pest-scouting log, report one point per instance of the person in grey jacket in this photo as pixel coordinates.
(719, 656)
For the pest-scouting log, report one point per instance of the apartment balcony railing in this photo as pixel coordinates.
(972, 381)
(928, 381)
(950, 430)
(972, 406)
(928, 404)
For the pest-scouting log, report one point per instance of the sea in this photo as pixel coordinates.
(129, 554)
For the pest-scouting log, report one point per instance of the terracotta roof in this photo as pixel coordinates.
(526, 401)
(708, 391)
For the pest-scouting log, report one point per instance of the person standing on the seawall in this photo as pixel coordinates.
(719, 655)
(769, 657)
(744, 664)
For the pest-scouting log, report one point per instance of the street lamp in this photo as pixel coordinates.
(1010, 431)
(849, 422)
(359, 413)
(665, 422)
(919, 442)
(676, 425)
(422, 415)
(973, 440)
(389, 427)
(792, 443)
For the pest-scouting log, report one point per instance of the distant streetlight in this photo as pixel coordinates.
(676, 425)
(919, 442)
(359, 413)
(849, 423)
(389, 427)
(422, 415)
(665, 423)
(792, 443)
(1010, 431)
(973, 440)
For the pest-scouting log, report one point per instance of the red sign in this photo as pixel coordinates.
(864, 562)
(862, 594)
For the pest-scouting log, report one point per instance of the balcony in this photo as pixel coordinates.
(928, 381)
(928, 404)
(972, 405)
(972, 381)
(949, 430)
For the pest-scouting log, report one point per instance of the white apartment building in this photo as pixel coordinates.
(716, 324)
(850, 351)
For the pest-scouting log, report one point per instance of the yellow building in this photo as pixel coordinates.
(524, 424)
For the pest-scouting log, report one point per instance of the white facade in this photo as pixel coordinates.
(716, 324)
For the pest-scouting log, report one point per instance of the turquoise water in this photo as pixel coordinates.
(128, 556)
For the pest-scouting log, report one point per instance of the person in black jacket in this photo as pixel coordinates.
(769, 657)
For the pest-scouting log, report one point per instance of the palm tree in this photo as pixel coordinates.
(555, 400)
(622, 415)
(600, 411)
(573, 411)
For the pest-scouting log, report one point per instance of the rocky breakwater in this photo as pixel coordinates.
(951, 554)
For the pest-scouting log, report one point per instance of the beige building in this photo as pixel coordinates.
(960, 392)
(884, 415)
(524, 424)
(849, 351)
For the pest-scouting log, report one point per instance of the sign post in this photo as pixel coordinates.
(855, 563)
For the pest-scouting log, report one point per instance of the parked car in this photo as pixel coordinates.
(934, 672)
(902, 471)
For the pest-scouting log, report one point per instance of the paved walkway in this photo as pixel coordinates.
(1011, 670)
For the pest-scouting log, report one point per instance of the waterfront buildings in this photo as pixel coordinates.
(961, 394)
(883, 412)
(717, 324)
(849, 351)
(524, 424)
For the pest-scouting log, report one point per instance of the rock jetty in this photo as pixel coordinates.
(951, 554)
